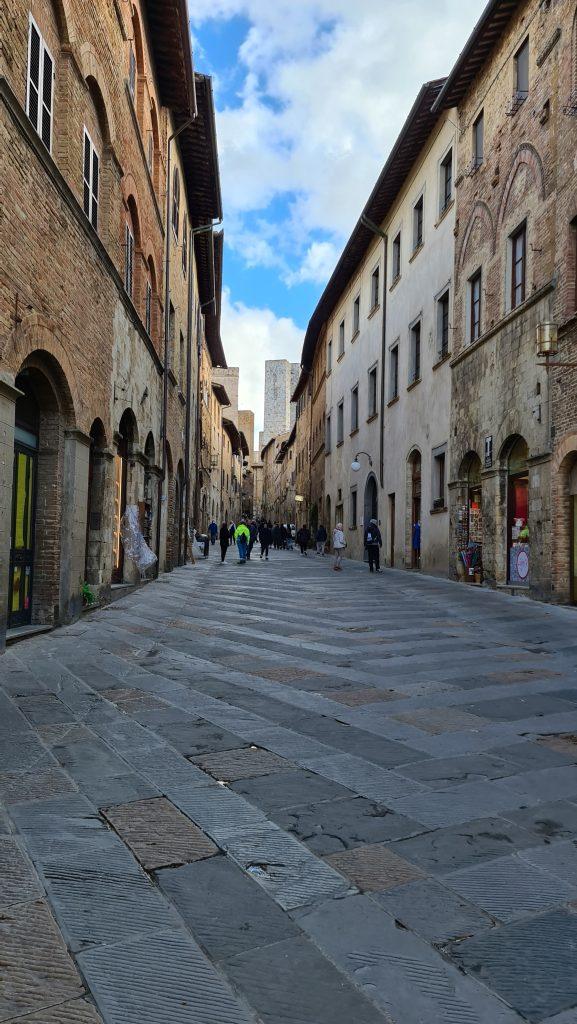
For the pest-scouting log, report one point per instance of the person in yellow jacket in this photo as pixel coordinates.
(242, 538)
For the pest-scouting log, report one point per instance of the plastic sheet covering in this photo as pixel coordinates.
(135, 546)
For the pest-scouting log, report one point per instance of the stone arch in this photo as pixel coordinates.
(564, 521)
(526, 156)
(413, 508)
(39, 334)
(97, 523)
(128, 428)
(371, 499)
(470, 465)
(96, 83)
(481, 213)
(508, 447)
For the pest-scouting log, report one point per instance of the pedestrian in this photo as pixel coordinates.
(253, 535)
(242, 537)
(276, 536)
(373, 544)
(289, 537)
(283, 536)
(224, 541)
(339, 545)
(321, 540)
(203, 540)
(213, 531)
(231, 532)
(303, 537)
(265, 539)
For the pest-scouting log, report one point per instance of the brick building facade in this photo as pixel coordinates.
(98, 370)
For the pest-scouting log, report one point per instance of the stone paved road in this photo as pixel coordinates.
(282, 795)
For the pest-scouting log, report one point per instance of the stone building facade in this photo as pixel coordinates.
(280, 380)
(513, 420)
(97, 369)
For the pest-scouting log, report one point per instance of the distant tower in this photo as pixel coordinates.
(280, 380)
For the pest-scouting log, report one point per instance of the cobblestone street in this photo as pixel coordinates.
(274, 793)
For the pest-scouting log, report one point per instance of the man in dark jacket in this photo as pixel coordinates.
(321, 540)
(303, 537)
(253, 530)
(373, 544)
(224, 540)
(265, 539)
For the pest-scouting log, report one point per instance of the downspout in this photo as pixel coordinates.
(198, 438)
(188, 397)
(171, 138)
(382, 234)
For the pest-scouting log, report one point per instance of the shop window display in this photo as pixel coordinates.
(518, 546)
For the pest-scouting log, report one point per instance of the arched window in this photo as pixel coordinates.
(184, 243)
(175, 201)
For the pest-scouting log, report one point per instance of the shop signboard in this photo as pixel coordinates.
(489, 451)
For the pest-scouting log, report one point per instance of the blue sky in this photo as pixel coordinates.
(310, 96)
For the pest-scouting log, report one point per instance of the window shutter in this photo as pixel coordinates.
(47, 78)
(87, 153)
(132, 73)
(128, 261)
(148, 306)
(34, 75)
(95, 181)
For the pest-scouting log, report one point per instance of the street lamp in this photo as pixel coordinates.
(355, 464)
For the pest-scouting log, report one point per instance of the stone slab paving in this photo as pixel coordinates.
(307, 735)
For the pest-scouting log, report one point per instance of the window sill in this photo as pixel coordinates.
(438, 511)
(392, 401)
(416, 252)
(353, 432)
(339, 444)
(355, 335)
(441, 360)
(372, 417)
(374, 310)
(394, 282)
(414, 383)
(341, 356)
(445, 211)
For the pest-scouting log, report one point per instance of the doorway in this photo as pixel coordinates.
(392, 514)
(125, 443)
(416, 510)
(518, 514)
(24, 489)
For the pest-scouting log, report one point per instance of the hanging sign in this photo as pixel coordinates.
(489, 451)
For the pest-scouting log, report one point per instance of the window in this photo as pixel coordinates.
(443, 325)
(128, 259)
(40, 86)
(341, 338)
(330, 356)
(182, 362)
(340, 421)
(478, 139)
(415, 363)
(148, 307)
(356, 315)
(372, 392)
(518, 265)
(375, 288)
(328, 433)
(171, 335)
(132, 72)
(184, 243)
(355, 408)
(418, 224)
(446, 180)
(397, 256)
(475, 306)
(522, 71)
(91, 177)
(394, 372)
(439, 457)
(150, 151)
(175, 201)
(353, 519)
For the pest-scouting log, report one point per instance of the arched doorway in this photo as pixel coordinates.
(328, 513)
(150, 491)
(179, 515)
(415, 508)
(171, 543)
(370, 506)
(470, 517)
(125, 442)
(93, 567)
(24, 495)
(518, 512)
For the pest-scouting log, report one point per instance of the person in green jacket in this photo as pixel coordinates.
(242, 538)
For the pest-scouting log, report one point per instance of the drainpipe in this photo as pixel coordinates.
(171, 138)
(188, 396)
(382, 234)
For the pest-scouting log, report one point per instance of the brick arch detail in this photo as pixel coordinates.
(39, 334)
(528, 155)
(480, 212)
(92, 68)
(567, 446)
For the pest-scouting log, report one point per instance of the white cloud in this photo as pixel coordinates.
(317, 265)
(250, 336)
(326, 87)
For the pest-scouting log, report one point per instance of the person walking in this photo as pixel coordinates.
(289, 537)
(213, 531)
(242, 538)
(373, 544)
(321, 540)
(276, 536)
(224, 540)
(231, 532)
(303, 538)
(339, 545)
(253, 535)
(265, 539)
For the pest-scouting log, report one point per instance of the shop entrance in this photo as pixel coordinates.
(26, 434)
(126, 440)
(518, 514)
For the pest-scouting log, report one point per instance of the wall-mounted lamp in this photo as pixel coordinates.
(355, 464)
(547, 339)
